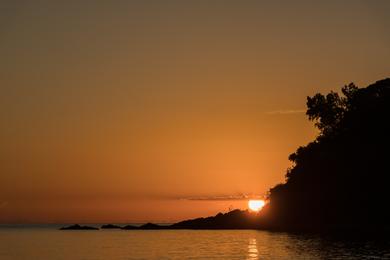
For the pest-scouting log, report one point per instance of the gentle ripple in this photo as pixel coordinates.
(49, 243)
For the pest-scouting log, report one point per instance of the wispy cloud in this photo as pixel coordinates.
(222, 197)
(286, 112)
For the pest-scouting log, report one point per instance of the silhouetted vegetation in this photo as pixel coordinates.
(341, 179)
(235, 219)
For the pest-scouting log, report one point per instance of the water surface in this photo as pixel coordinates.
(46, 242)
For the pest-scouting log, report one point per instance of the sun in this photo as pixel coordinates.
(256, 205)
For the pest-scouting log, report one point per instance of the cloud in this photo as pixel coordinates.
(222, 197)
(286, 112)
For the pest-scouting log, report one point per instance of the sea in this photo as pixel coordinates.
(47, 242)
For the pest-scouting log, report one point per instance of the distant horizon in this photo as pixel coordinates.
(156, 221)
(117, 109)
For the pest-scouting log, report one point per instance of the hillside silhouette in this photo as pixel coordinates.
(338, 182)
(235, 219)
(341, 179)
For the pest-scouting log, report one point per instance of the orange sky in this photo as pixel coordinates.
(166, 110)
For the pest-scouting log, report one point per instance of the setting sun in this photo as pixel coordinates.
(256, 205)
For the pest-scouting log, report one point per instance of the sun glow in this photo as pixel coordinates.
(256, 205)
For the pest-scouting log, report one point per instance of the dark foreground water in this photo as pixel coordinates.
(46, 242)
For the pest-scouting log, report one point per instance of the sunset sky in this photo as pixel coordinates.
(134, 111)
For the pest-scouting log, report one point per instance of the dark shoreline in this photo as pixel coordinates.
(240, 220)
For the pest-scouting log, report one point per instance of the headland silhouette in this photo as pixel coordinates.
(338, 182)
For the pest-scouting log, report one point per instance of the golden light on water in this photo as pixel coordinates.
(256, 205)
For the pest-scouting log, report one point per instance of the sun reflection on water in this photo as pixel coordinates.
(253, 252)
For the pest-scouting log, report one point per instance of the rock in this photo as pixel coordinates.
(129, 227)
(151, 226)
(110, 226)
(78, 227)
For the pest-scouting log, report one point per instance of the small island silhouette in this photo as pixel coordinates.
(338, 182)
(78, 227)
(110, 226)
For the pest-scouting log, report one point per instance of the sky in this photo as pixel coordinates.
(135, 111)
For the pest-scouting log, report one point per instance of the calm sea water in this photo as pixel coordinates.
(46, 242)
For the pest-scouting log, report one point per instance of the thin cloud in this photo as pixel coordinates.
(286, 112)
(222, 197)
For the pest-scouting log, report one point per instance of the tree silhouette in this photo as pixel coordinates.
(328, 111)
(341, 179)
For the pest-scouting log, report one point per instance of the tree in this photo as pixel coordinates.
(328, 111)
(344, 168)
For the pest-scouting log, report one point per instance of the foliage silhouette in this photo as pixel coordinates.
(340, 180)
